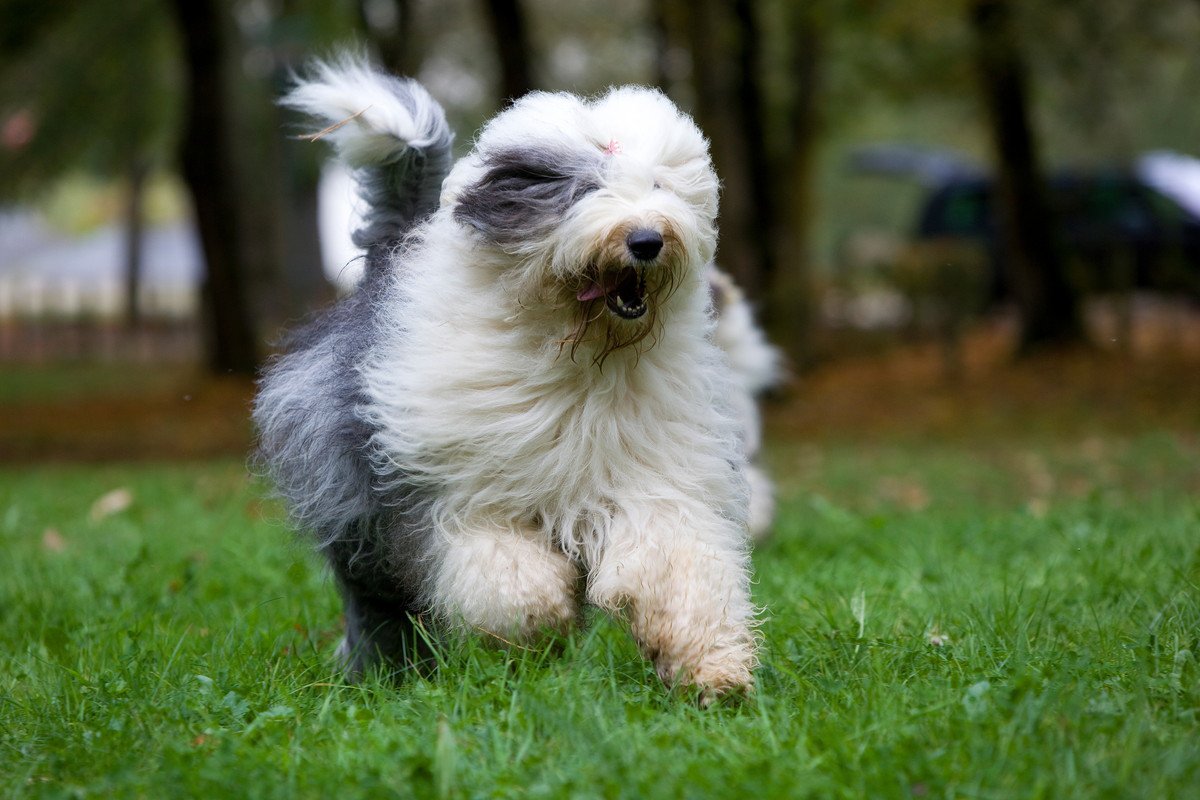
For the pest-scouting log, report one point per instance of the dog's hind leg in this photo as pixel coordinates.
(380, 631)
(380, 611)
(505, 583)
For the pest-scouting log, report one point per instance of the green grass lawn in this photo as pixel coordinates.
(1017, 619)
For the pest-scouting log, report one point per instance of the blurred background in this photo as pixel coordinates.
(940, 208)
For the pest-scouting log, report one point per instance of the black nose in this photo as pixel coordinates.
(644, 243)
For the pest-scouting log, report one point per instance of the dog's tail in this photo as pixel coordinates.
(390, 131)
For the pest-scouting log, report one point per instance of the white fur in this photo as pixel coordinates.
(757, 363)
(527, 584)
(367, 124)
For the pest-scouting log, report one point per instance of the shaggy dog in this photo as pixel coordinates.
(758, 367)
(522, 407)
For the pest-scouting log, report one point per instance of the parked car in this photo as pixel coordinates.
(1118, 230)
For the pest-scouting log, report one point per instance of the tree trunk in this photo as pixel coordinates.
(303, 269)
(713, 37)
(209, 169)
(289, 171)
(752, 111)
(791, 301)
(507, 21)
(1049, 307)
(393, 37)
(764, 159)
(134, 222)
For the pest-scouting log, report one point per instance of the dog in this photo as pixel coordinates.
(758, 368)
(522, 408)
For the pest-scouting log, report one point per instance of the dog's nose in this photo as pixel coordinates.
(644, 243)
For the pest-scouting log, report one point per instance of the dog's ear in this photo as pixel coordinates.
(523, 192)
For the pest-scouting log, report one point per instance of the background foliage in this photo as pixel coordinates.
(787, 91)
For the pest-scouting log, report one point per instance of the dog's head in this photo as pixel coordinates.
(601, 209)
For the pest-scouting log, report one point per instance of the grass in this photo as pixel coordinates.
(1011, 616)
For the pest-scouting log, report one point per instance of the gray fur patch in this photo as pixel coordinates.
(316, 447)
(526, 191)
(311, 439)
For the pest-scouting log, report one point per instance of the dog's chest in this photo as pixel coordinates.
(592, 440)
(526, 432)
(568, 441)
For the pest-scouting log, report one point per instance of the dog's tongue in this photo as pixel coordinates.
(591, 292)
(605, 284)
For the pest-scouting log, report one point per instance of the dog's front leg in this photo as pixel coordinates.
(507, 583)
(681, 577)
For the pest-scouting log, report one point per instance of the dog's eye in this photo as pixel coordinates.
(523, 191)
(537, 174)
(518, 177)
(657, 185)
(530, 184)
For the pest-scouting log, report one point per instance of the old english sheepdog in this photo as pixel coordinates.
(522, 407)
(758, 367)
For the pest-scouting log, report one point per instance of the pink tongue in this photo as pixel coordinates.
(590, 292)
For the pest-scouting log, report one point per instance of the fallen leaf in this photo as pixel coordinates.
(111, 503)
(53, 541)
(936, 638)
(906, 493)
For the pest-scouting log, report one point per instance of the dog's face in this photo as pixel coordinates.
(603, 209)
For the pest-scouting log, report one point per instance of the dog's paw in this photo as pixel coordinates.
(723, 676)
(508, 587)
(732, 696)
(542, 611)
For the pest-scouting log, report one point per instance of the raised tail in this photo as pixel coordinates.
(390, 132)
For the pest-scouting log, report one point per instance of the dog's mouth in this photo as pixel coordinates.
(623, 290)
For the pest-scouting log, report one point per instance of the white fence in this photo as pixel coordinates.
(65, 297)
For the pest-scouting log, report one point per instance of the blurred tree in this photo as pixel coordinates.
(138, 174)
(510, 33)
(715, 39)
(1048, 303)
(93, 88)
(209, 167)
(279, 173)
(762, 141)
(799, 126)
(770, 81)
(1114, 78)
(96, 87)
(389, 27)
(912, 51)
(254, 190)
